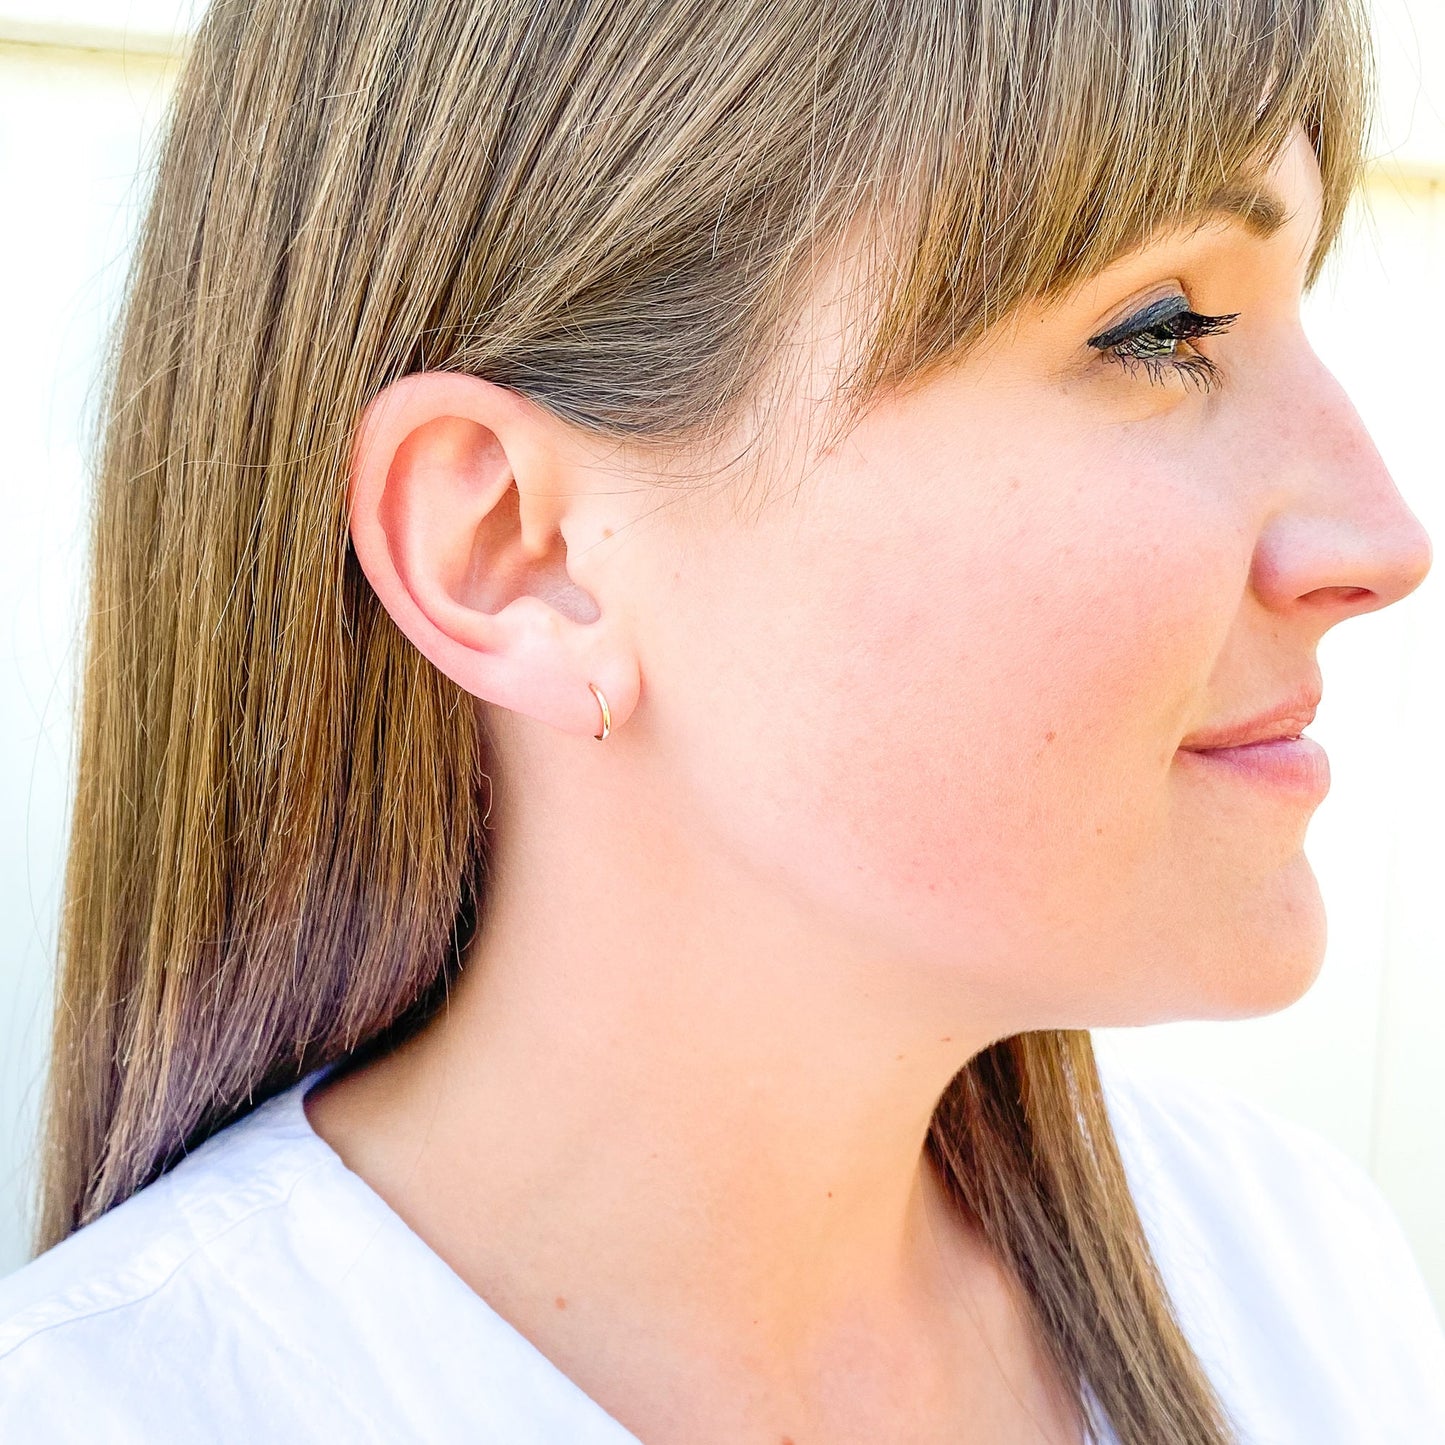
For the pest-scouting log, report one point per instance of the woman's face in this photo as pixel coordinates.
(937, 690)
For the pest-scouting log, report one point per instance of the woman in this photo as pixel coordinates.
(889, 432)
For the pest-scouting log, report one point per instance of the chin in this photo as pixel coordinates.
(1234, 959)
(1275, 953)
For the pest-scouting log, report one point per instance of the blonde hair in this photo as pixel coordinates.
(277, 853)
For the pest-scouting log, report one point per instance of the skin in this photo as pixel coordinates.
(893, 773)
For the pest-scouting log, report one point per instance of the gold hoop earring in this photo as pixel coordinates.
(606, 713)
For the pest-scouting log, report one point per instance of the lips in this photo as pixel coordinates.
(1287, 719)
(1265, 751)
(1296, 768)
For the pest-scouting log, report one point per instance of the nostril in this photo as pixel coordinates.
(1342, 594)
(1350, 600)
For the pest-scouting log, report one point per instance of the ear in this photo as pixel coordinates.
(468, 509)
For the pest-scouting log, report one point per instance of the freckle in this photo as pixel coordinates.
(1098, 832)
(830, 1195)
(900, 1056)
(561, 1303)
(607, 531)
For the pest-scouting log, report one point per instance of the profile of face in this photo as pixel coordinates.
(923, 718)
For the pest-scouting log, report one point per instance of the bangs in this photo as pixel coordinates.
(1045, 140)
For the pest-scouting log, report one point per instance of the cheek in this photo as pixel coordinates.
(974, 699)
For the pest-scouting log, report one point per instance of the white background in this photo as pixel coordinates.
(1361, 1058)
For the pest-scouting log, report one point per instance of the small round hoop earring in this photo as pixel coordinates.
(606, 712)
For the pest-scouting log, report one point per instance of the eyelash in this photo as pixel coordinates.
(1181, 325)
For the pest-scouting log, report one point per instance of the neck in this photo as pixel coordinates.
(674, 1104)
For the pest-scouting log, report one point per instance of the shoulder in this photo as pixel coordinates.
(147, 1243)
(124, 1323)
(1288, 1267)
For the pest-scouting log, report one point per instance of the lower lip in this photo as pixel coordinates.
(1297, 765)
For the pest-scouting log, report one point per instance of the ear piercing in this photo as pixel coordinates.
(606, 713)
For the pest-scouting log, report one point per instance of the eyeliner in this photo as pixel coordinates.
(1155, 314)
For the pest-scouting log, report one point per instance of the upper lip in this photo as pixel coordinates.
(1288, 720)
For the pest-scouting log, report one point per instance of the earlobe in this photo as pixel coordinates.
(456, 504)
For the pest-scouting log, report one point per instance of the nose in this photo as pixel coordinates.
(1341, 539)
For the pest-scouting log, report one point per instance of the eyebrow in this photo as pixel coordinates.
(1257, 208)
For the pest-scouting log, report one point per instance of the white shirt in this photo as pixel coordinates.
(262, 1292)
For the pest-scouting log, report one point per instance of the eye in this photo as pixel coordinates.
(1156, 339)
